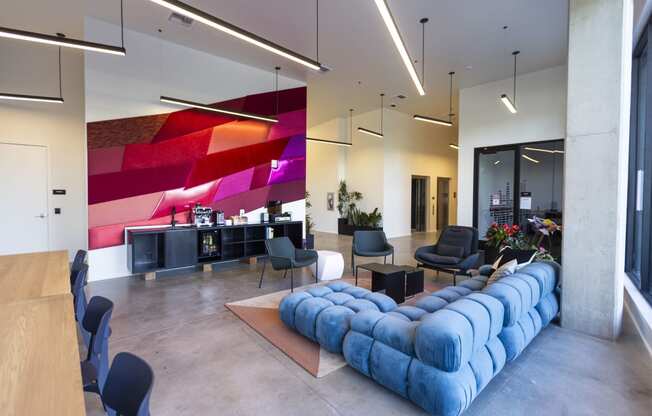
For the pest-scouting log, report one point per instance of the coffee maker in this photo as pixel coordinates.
(202, 216)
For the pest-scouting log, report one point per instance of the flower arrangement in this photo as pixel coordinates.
(546, 227)
(505, 235)
(497, 235)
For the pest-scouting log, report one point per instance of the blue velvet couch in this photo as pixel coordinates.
(441, 352)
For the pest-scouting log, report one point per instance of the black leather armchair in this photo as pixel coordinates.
(370, 244)
(455, 252)
(284, 256)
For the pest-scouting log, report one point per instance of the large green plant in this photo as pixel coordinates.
(364, 219)
(346, 201)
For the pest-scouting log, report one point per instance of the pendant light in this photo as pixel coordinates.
(242, 34)
(511, 105)
(38, 98)
(6, 32)
(371, 132)
(454, 146)
(336, 142)
(449, 122)
(398, 42)
(205, 107)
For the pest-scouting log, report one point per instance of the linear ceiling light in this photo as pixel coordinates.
(228, 28)
(536, 149)
(398, 41)
(61, 40)
(497, 162)
(449, 122)
(511, 105)
(338, 143)
(199, 106)
(531, 159)
(37, 98)
(371, 132)
(454, 146)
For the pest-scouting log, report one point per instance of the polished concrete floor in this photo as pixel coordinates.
(208, 362)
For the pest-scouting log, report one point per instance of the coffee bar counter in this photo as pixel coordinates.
(160, 248)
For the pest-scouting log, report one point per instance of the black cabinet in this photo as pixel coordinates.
(169, 248)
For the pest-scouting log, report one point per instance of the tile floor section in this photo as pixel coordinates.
(208, 362)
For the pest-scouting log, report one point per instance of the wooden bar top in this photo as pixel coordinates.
(34, 275)
(39, 368)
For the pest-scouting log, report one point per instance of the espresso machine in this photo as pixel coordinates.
(202, 216)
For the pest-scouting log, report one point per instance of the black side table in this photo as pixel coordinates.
(397, 281)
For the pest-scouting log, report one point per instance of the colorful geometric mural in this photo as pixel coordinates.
(139, 168)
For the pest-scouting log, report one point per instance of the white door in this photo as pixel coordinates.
(24, 196)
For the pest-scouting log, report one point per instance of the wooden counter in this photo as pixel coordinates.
(39, 369)
(34, 275)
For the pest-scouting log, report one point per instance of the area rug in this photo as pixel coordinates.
(261, 313)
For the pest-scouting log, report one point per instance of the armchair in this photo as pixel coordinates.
(455, 252)
(284, 256)
(370, 244)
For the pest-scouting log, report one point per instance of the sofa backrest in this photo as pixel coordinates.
(448, 338)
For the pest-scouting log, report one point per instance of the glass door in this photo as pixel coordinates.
(495, 178)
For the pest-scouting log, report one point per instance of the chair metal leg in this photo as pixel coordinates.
(352, 263)
(317, 272)
(385, 260)
(260, 284)
(291, 279)
(392, 257)
(454, 278)
(285, 273)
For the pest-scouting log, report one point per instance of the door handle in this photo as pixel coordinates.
(40, 216)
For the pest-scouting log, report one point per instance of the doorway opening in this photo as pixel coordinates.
(419, 217)
(443, 202)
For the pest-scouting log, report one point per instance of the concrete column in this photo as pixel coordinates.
(599, 68)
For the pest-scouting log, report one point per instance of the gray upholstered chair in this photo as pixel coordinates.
(284, 256)
(455, 252)
(370, 244)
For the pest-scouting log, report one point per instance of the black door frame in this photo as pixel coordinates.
(516, 147)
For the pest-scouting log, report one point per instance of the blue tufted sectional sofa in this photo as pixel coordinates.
(441, 352)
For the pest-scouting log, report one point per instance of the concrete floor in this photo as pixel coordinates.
(208, 362)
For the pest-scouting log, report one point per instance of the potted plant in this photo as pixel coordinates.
(366, 221)
(346, 203)
(309, 242)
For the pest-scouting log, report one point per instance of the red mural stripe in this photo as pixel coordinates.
(117, 185)
(180, 123)
(175, 151)
(218, 165)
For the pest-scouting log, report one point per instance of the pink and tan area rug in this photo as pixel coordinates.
(261, 314)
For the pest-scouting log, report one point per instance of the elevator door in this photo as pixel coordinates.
(419, 203)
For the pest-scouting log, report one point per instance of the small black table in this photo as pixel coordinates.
(397, 281)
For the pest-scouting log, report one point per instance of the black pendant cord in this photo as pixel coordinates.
(423, 50)
(351, 125)
(317, 29)
(278, 68)
(450, 97)
(381, 113)
(515, 53)
(60, 81)
(122, 23)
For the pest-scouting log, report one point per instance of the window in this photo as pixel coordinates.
(639, 199)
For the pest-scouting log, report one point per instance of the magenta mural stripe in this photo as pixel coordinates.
(234, 184)
(288, 170)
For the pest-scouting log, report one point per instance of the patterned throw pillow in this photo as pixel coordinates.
(504, 270)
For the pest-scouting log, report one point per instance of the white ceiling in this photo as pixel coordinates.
(356, 45)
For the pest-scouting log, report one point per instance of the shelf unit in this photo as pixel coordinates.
(159, 249)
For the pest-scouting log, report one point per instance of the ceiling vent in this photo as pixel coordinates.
(180, 19)
(401, 97)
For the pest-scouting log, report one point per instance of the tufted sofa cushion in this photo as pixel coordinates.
(323, 313)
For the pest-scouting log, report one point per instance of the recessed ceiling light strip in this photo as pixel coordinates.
(228, 28)
(38, 98)
(398, 42)
(9, 33)
(191, 104)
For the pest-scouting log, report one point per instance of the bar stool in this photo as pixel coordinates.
(128, 386)
(96, 323)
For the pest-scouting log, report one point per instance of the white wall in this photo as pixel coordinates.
(131, 86)
(381, 169)
(31, 69)
(484, 121)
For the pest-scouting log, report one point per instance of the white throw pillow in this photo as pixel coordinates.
(504, 270)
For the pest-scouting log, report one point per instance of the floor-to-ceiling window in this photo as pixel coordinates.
(639, 227)
(515, 183)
